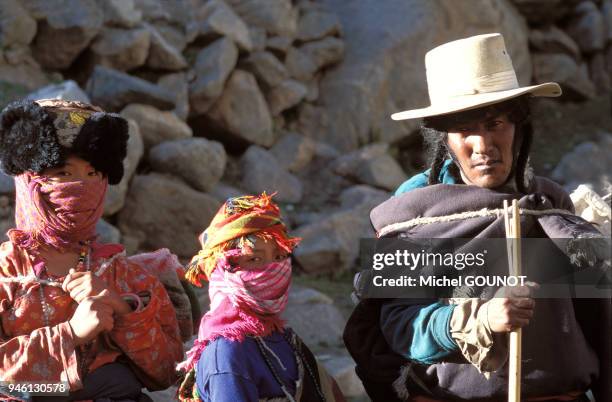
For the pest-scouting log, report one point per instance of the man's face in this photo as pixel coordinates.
(484, 150)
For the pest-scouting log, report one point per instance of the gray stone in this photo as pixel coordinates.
(324, 52)
(112, 90)
(162, 54)
(161, 211)
(543, 12)
(262, 172)
(571, 170)
(299, 64)
(606, 11)
(156, 126)
(115, 196)
(312, 87)
(330, 245)
(107, 232)
(314, 317)
(67, 90)
(285, 96)
(342, 368)
(267, 69)
(276, 17)
(7, 216)
(587, 27)
(599, 74)
(176, 37)
(121, 49)
(553, 40)
(120, 13)
(258, 38)
(609, 61)
(218, 19)
(213, 66)
(293, 151)
(18, 80)
(362, 194)
(176, 83)
(198, 161)
(7, 184)
(383, 67)
(279, 44)
(317, 23)
(16, 25)
(371, 165)
(67, 29)
(563, 69)
(242, 110)
(223, 191)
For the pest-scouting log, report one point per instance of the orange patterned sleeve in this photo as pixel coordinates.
(44, 354)
(150, 336)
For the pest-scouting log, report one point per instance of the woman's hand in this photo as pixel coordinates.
(93, 316)
(81, 285)
(511, 308)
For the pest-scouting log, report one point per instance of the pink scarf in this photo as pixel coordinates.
(245, 302)
(60, 215)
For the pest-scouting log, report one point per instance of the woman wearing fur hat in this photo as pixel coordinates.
(72, 309)
(244, 352)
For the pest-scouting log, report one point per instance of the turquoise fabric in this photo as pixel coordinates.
(421, 179)
(431, 339)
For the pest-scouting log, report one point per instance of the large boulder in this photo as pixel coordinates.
(120, 13)
(242, 110)
(277, 17)
(67, 90)
(371, 165)
(262, 172)
(267, 68)
(176, 83)
(65, 30)
(198, 161)
(218, 19)
(17, 27)
(293, 151)
(161, 211)
(115, 196)
(112, 90)
(561, 68)
(587, 27)
(156, 126)
(571, 170)
(7, 184)
(543, 12)
(107, 233)
(121, 49)
(553, 40)
(316, 23)
(383, 68)
(212, 67)
(162, 54)
(285, 95)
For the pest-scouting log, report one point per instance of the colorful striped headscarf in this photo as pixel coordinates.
(238, 218)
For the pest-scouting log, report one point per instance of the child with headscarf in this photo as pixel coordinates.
(74, 310)
(244, 351)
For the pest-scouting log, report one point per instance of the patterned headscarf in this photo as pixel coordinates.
(60, 215)
(236, 219)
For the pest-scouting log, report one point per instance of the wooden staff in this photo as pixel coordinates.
(513, 233)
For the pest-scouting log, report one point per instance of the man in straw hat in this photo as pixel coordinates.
(479, 133)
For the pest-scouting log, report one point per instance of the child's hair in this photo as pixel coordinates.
(234, 230)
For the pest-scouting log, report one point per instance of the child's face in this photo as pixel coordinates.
(263, 253)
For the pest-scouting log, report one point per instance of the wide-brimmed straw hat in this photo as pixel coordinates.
(470, 73)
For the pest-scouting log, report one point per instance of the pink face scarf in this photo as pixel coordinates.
(242, 302)
(60, 215)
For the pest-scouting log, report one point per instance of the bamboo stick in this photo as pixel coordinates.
(513, 231)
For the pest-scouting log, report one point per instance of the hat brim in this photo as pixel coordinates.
(467, 102)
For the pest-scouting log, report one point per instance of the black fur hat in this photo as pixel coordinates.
(37, 135)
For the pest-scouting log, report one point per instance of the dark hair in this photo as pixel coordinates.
(435, 131)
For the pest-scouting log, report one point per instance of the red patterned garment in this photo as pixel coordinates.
(30, 351)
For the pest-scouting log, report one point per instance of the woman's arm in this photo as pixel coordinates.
(149, 337)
